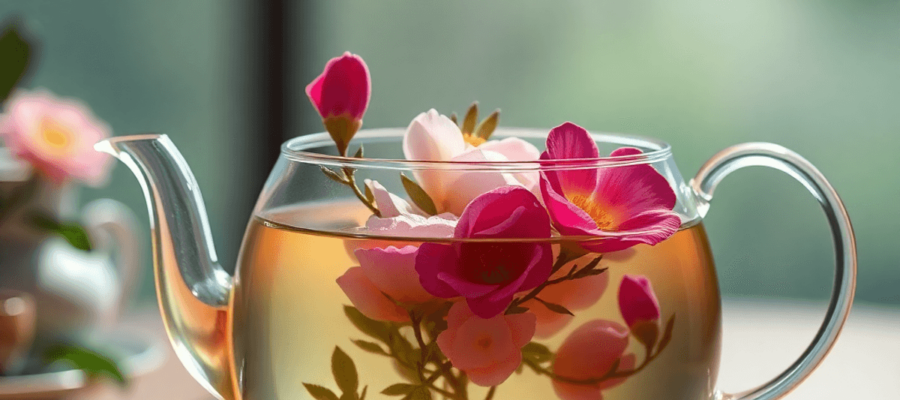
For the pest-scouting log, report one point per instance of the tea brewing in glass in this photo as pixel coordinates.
(572, 276)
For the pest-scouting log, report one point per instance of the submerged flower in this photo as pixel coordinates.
(341, 95)
(574, 295)
(384, 277)
(56, 136)
(487, 350)
(639, 308)
(489, 273)
(624, 205)
(590, 353)
(434, 137)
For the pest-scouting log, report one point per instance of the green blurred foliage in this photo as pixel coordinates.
(819, 77)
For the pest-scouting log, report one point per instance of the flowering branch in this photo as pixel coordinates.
(589, 270)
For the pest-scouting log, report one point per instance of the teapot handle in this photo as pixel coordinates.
(780, 158)
(115, 227)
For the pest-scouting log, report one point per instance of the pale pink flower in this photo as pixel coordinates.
(590, 353)
(624, 205)
(56, 136)
(383, 275)
(574, 295)
(488, 350)
(434, 137)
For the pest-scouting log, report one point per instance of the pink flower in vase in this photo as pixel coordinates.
(56, 136)
(489, 273)
(590, 353)
(574, 295)
(341, 95)
(639, 308)
(434, 137)
(488, 350)
(624, 205)
(384, 272)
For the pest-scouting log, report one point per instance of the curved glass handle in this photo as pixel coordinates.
(778, 157)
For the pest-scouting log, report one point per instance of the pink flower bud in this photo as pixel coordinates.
(341, 95)
(637, 302)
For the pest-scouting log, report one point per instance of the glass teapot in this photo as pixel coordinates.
(495, 296)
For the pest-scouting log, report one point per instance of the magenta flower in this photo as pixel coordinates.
(381, 273)
(341, 95)
(488, 274)
(637, 302)
(589, 353)
(488, 350)
(56, 136)
(625, 205)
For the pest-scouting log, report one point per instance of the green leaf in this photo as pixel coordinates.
(344, 371)
(370, 347)
(517, 310)
(362, 396)
(370, 197)
(554, 307)
(349, 396)
(471, 119)
(488, 125)
(359, 152)
(320, 393)
(73, 233)
(419, 393)
(667, 334)
(537, 352)
(376, 329)
(398, 389)
(333, 175)
(418, 195)
(92, 363)
(15, 51)
(453, 118)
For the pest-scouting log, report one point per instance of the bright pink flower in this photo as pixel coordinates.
(575, 295)
(488, 350)
(488, 274)
(589, 353)
(56, 136)
(626, 205)
(434, 137)
(343, 88)
(637, 302)
(341, 95)
(381, 273)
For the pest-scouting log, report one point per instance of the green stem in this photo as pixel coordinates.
(350, 173)
(490, 394)
(536, 291)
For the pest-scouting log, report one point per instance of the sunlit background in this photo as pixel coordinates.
(820, 77)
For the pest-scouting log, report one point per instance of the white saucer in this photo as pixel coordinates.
(139, 356)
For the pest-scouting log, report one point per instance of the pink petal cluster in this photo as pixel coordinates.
(637, 301)
(489, 273)
(434, 137)
(56, 136)
(341, 95)
(589, 353)
(487, 349)
(624, 205)
(574, 295)
(381, 273)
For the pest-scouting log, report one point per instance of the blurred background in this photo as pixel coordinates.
(225, 79)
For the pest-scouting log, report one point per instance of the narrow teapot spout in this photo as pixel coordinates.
(192, 287)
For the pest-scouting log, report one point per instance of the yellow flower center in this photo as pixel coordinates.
(604, 219)
(475, 141)
(55, 135)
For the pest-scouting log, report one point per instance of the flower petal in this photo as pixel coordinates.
(343, 88)
(393, 271)
(463, 187)
(388, 203)
(368, 299)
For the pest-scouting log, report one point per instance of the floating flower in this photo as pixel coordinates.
(639, 308)
(56, 136)
(574, 295)
(488, 350)
(381, 273)
(590, 353)
(341, 95)
(486, 273)
(625, 205)
(434, 137)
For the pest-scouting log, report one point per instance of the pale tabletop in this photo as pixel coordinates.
(762, 337)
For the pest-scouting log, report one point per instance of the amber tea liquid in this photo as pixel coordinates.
(286, 314)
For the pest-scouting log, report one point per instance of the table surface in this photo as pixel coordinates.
(761, 338)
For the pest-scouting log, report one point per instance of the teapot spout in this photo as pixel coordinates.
(192, 287)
